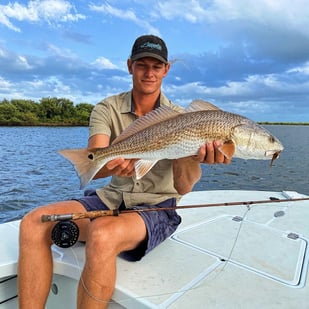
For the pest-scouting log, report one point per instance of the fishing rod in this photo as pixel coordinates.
(65, 233)
(115, 212)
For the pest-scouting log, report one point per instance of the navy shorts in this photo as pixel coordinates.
(159, 224)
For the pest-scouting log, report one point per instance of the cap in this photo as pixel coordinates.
(149, 46)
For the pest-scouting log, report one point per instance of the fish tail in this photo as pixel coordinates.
(83, 163)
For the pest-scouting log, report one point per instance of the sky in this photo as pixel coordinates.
(249, 57)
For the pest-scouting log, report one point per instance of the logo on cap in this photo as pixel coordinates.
(151, 45)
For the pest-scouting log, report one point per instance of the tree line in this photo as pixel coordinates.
(48, 111)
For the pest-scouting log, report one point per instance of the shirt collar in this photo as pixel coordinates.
(132, 103)
(128, 107)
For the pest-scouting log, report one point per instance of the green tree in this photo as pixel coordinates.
(67, 109)
(56, 109)
(7, 111)
(83, 111)
(48, 110)
(25, 106)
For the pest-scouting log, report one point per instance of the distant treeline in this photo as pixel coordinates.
(55, 112)
(285, 123)
(48, 111)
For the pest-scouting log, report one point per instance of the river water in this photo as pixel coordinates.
(32, 173)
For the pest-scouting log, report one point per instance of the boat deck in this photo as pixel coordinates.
(220, 257)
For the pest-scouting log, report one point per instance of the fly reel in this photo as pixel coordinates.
(65, 234)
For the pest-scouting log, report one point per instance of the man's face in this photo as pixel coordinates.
(148, 74)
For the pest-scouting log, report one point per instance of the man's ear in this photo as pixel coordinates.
(129, 65)
(167, 68)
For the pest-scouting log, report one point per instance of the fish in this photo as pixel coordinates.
(165, 133)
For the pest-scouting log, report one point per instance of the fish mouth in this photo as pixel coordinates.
(274, 157)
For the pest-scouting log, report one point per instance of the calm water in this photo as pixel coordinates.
(32, 173)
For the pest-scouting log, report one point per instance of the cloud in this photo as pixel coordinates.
(250, 58)
(77, 37)
(103, 63)
(264, 12)
(191, 11)
(4, 20)
(304, 69)
(50, 11)
(128, 14)
(11, 63)
(262, 94)
(5, 85)
(59, 73)
(264, 27)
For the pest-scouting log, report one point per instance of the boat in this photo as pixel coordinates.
(241, 256)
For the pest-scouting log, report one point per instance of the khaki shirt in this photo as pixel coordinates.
(110, 117)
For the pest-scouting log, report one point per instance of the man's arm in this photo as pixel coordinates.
(187, 171)
(119, 166)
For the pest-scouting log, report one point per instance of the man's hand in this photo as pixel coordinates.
(121, 167)
(187, 171)
(210, 154)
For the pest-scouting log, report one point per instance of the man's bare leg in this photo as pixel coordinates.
(35, 265)
(107, 237)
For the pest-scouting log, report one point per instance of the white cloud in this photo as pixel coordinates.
(6, 22)
(128, 14)
(23, 62)
(304, 69)
(50, 11)
(263, 11)
(245, 56)
(103, 63)
(4, 84)
(60, 51)
(191, 11)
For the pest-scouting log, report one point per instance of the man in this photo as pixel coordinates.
(130, 235)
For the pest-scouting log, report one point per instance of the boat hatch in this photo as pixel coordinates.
(253, 246)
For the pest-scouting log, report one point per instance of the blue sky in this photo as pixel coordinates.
(246, 56)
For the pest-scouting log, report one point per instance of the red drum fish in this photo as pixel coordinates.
(168, 134)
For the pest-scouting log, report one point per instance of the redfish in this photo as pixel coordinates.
(168, 134)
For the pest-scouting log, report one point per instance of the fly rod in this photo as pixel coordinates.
(102, 213)
(65, 233)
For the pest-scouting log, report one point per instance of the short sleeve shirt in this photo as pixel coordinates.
(110, 117)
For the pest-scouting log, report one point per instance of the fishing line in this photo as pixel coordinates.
(228, 259)
(83, 283)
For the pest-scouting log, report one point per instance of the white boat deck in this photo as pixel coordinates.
(220, 257)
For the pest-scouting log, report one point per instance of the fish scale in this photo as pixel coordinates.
(181, 130)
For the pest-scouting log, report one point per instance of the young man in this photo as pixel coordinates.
(130, 235)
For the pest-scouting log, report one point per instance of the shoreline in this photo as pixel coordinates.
(43, 124)
(63, 124)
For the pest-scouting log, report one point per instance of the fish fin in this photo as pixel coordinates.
(83, 163)
(228, 149)
(142, 167)
(158, 115)
(200, 105)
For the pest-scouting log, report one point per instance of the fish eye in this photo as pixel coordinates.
(271, 139)
(90, 156)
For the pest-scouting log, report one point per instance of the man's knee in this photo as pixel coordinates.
(104, 236)
(32, 230)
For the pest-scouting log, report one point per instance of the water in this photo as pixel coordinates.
(32, 173)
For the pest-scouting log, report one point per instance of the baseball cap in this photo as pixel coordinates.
(149, 46)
